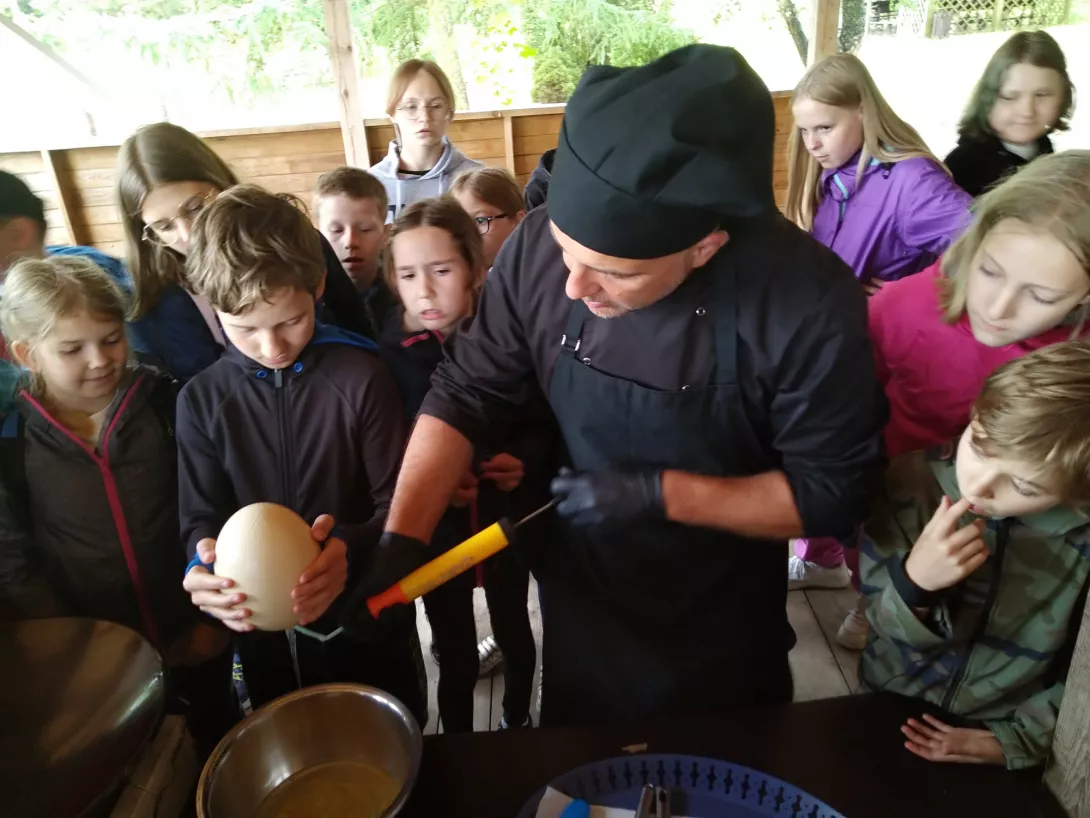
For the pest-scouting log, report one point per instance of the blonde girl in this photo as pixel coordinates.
(90, 511)
(492, 197)
(165, 177)
(421, 162)
(1024, 95)
(862, 181)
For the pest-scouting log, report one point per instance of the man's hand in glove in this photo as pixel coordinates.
(608, 497)
(394, 558)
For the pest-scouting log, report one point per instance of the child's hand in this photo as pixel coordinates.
(936, 741)
(466, 493)
(212, 593)
(873, 286)
(945, 554)
(323, 580)
(505, 469)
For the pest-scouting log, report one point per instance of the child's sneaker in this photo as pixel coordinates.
(802, 574)
(853, 631)
(504, 725)
(489, 655)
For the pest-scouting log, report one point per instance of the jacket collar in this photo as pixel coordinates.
(324, 335)
(132, 392)
(841, 182)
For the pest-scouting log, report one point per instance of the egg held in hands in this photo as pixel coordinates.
(265, 548)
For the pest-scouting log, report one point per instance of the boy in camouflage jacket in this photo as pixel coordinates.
(977, 577)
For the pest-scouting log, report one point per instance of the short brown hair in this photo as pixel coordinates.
(446, 214)
(1052, 194)
(405, 74)
(248, 244)
(1036, 48)
(353, 183)
(493, 186)
(1037, 408)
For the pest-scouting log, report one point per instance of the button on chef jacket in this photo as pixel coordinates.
(695, 632)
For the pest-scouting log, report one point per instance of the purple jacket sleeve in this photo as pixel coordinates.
(205, 495)
(934, 211)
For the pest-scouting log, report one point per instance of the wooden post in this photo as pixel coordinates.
(509, 141)
(338, 26)
(824, 27)
(928, 17)
(1069, 773)
(57, 170)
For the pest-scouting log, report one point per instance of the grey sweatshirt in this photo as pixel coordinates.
(404, 189)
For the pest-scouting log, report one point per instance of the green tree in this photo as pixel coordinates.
(568, 35)
(853, 24)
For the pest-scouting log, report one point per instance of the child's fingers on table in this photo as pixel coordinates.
(920, 739)
(923, 751)
(937, 724)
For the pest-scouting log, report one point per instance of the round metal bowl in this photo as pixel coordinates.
(332, 724)
(79, 701)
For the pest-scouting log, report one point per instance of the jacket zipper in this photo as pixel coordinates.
(113, 498)
(985, 615)
(286, 459)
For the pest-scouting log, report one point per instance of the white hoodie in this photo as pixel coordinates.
(404, 189)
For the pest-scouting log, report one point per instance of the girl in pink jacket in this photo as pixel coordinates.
(1019, 279)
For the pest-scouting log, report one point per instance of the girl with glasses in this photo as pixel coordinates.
(492, 197)
(165, 177)
(422, 162)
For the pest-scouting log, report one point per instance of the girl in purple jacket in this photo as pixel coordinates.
(864, 184)
(862, 181)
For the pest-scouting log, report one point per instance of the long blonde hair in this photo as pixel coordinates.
(156, 155)
(1052, 194)
(843, 81)
(39, 292)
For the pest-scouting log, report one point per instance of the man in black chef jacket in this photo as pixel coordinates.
(709, 367)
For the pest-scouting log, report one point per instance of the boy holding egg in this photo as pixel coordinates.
(298, 414)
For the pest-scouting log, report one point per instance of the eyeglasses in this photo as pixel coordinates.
(433, 110)
(484, 223)
(165, 232)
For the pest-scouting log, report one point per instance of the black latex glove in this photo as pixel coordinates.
(393, 559)
(609, 497)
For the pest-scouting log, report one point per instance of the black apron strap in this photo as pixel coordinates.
(726, 326)
(573, 330)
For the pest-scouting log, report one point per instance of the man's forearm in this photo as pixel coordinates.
(761, 506)
(436, 459)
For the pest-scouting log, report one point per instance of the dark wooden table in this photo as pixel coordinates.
(846, 751)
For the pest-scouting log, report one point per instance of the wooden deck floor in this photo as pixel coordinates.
(822, 669)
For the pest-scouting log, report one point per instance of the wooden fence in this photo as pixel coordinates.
(76, 183)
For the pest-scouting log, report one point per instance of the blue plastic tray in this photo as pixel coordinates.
(699, 788)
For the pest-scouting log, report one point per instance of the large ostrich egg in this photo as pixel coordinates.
(264, 548)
